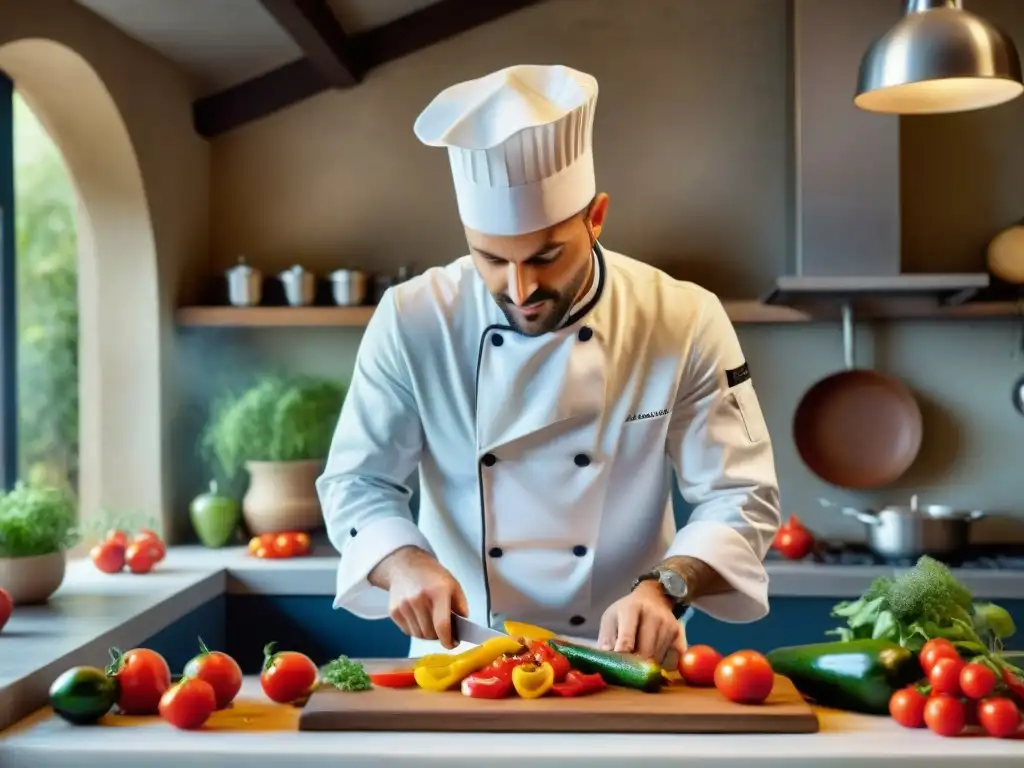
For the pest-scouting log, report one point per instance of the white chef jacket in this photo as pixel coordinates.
(545, 462)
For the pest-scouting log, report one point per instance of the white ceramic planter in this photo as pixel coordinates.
(32, 579)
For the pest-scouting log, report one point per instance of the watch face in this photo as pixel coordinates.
(673, 583)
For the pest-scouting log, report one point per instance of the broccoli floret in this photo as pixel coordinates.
(928, 592)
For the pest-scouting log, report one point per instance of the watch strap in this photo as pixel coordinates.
(678, 606)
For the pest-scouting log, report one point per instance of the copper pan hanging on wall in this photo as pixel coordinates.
(857, 428)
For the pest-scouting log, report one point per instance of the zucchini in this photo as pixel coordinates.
(855, 675)
(624, 669)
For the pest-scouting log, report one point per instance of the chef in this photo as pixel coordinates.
(548, 392)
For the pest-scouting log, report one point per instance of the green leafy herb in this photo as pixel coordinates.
(37, 520)
(346, 675)
(919, 604)
(277, 419)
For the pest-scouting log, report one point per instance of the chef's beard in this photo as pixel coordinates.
(555, 315)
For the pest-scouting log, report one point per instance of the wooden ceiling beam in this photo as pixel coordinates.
(314, 28)
(299, 80)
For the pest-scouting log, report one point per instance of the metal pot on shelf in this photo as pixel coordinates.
(245, 285)
(348, 286)
(299, 286)
(897, 532)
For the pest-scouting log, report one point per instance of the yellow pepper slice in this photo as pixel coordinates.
(532, 681)
(498, 645)
(442, 676)
(528, 632)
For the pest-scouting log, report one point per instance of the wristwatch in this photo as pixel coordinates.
(672, 584)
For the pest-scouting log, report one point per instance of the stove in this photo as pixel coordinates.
(988, 557)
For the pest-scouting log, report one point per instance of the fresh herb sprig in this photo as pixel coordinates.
(346, 675)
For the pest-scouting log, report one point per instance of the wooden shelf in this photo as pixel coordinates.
(741, 313)
(269, 317)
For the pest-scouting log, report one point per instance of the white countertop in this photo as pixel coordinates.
(262, 734)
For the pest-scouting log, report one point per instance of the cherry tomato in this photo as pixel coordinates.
(907, 707)
(148, 537)
(977, 681)
(143, 677)
(745, 677)
(219, 670)
(141, 557)
(933, 650)
(944, 715)
(999, 716)
(108, 556)
(944, 675)
(697, 665)
(6, 606)
(117, 536)
(188, 704)
(287, 675)
(794, 543)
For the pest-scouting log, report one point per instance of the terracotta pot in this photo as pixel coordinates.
(282, 496)
(32, 579)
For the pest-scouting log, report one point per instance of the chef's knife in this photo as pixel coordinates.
(466, 631)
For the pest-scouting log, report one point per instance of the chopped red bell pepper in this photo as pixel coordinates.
(544, 652)
(399, 678)
(502, 667)
(482, 686)
(579, 684)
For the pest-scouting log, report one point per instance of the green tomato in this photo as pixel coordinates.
(82, 695)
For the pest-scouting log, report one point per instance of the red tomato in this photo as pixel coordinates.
(6, 606)
(117, 536)
(999, 717)
(794, 543)
(287, 675)
(146, 536)
(944, 715)
(907, 707)
(944, 675)
(219, 670)
(933, 650)
(977, 681)
(188, 704)
(108, 556)
(143, 676)
(399, 678)
(697, 665)
(745, 677)
(141, 556)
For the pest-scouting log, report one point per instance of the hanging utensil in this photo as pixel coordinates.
(857, 428)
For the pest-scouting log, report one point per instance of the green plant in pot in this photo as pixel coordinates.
(279, 430)
(37, 527)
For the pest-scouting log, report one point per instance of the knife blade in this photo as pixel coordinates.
(466, 631)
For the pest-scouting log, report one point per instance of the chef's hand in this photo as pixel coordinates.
(421, 594)
(642, 623)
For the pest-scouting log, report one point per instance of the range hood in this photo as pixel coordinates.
(846, 166)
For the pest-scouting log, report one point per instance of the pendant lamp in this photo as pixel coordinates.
(938, 58)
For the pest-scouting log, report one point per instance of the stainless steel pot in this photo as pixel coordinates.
(245, 285)
(348, 287)
(299, 286)
(907, 532)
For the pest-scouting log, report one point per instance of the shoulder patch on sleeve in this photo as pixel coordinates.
(738, 375)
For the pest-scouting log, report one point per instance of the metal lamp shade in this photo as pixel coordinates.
(939, 58)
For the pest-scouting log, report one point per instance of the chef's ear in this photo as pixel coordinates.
(596, 214)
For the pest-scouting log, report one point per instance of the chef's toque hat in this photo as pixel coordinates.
(520, 145)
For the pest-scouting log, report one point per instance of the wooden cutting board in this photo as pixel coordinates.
(677, 708)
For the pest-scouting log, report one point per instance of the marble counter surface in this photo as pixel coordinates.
(259, 734)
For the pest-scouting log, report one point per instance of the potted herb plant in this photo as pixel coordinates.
(279, 430)
(37, 527)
